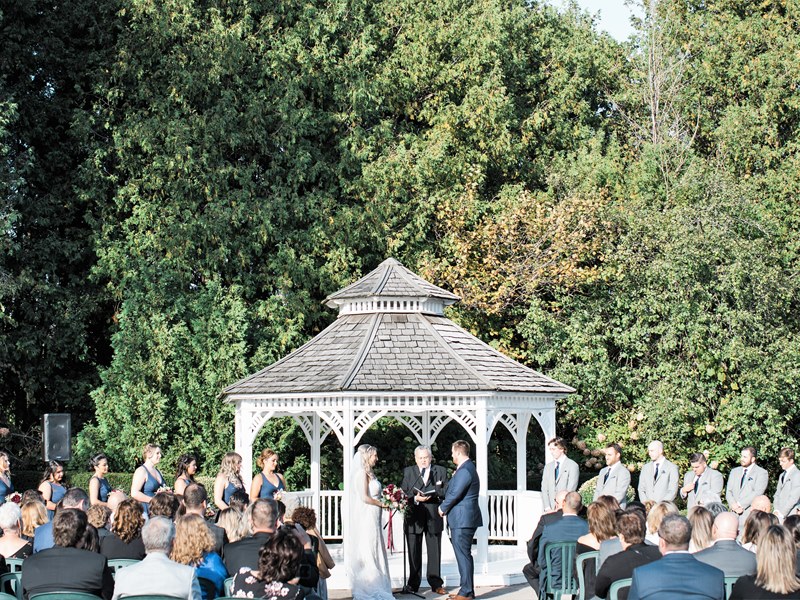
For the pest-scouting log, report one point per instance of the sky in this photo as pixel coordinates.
(614, 15)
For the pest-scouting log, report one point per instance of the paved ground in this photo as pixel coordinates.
(520, 591)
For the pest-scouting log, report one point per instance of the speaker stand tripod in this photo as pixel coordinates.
(405, 589)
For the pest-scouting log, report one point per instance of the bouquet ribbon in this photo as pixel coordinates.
(389, 534)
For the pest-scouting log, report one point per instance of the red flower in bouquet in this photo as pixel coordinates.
(394, 498)
(16, 498)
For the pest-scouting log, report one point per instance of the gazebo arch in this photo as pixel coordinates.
(393, 353)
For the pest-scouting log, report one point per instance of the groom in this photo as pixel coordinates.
(463, 516)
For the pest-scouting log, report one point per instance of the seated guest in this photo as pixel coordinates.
(307, 519)
(715, 508)
(533, 568)
(677, 574)
(43, 536)
(756, 524)
(635, 553)
(232, 521)
(278, 570)
(194, 546)
(65, 568)
(244, 553)
(792, 525)
(195, 499)
(654, 518)
(34, 514)
(725, 553)
(99, 516)
(701, 521)
(567, 529)
(239, 500)
(125, 539)
(775, 576)
(90, 540)
(12, 545)
(156, 573)
(602, 526)
(611, 545)
(164, 504)
(761, 503)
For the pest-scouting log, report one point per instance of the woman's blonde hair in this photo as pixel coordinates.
(4, 455)
(702, 522)
(192, 540)
(149, 449)
(602, 521)
(657, 514)
(34, 514)
(230, 466)
(365, 451)
(232, 521)
(266, 453)
(128, 520)
(775, 558)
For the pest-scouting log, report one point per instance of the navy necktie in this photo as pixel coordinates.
(744, 474)
(696, 483)
(557, 469)
(656, 475)
(605, 479)
(422, 474)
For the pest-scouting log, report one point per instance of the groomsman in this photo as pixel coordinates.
(559, 474)
(659, 479)
(745, 483)
(787, 494)
(614, 478)
(423, 518)
(463, 516)
(702, 482)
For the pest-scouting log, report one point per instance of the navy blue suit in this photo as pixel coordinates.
(677, 575)
(567, 529)
(463, 518)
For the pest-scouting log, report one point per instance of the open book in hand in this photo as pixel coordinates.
(429, 491)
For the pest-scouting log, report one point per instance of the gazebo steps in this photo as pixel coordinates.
(503, 568)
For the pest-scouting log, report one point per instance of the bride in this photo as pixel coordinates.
(367, 565)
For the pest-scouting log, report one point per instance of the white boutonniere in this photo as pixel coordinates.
(438, 483)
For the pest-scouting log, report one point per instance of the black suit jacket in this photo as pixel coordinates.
(220, 537)
(533, 543)
(425, 515)
(621, 565)
(67, 569)
(244, 553)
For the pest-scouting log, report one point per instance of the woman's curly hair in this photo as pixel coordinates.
(128, 520)
(192, 540)
(279, 559)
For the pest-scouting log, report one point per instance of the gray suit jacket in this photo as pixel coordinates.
(729, 557)
(663, 488)
(787, 493)
(157, 574)
(711, 482)
(744, 492)
(617, 484)
(567, 480)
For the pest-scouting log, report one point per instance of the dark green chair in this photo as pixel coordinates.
(581, 566)
(560, 565)
(11, 583)
(149, 597)
(228, 587)
(120, 563)
(4, 596)
(729, 581)
(14, 565)
(617, 587)
(65, 596)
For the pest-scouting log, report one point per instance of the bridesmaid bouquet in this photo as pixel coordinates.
(16, 498)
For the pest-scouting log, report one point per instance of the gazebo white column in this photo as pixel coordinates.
(316, 441)
(482, 465)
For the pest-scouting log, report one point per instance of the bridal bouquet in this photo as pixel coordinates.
(395, 499)
(14, 497)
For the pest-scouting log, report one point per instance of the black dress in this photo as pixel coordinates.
(24, 552)
(113, 547)
(745, 588)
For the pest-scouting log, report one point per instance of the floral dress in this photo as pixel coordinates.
(247, 585)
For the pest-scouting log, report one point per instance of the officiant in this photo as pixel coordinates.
(425, 485)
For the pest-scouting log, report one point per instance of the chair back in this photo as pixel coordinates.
(583, 562)
(64, 596)
(560, 575)
(729, 581)
(617, 587)
(14, 564)
(4, 596)
(115, 564)
(228, 586)
(11, 583)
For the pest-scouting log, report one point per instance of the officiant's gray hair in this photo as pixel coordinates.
(423, 448)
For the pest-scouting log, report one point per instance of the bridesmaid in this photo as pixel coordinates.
(99, 488)
(6, 487)
(184, 476)
(51, 487)
(147, 479)
(267, 483)
(229, 479)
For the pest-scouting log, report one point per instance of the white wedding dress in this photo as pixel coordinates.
(367, 564)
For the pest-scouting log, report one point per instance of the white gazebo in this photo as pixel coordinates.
(393, 353)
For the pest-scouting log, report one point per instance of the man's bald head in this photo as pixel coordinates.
(559, 499)
(572, 503)
(761, 503)
(726, 526)
(116, 498)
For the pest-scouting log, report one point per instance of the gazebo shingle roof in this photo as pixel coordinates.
(394, 351)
